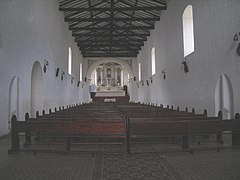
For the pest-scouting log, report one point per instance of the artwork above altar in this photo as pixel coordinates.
(110, 78)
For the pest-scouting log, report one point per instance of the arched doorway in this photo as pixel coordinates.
(224, 97)
(13, 100)
(36, 88)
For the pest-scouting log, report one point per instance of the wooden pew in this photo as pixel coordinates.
(67, 131)
(183, 129)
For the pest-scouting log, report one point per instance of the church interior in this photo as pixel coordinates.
(119, 89)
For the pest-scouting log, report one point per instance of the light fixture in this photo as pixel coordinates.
(151, 80)
(62, 74)
(57, 72)
(147, 82)
(164, 74)
(72, 79)
(185, 66)
(46, 63)
(78, 83)
(235, 38)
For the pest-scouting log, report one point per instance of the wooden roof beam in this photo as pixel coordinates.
(94, 19)
(111, 28)
(114, 8)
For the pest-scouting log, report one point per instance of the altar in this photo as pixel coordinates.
(109, 91)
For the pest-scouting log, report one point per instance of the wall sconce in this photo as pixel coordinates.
(78, 83)
(236, 38)
(46, 63)
(72, 79)
(164, 74)
(151, 80)
(185, 66)
(57, 72)
(147, 82)
(62, 74)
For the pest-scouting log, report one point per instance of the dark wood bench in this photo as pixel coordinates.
(184, 129)
(67, 131)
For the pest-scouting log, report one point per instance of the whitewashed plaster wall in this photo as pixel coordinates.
(33, 30)
(215, 23)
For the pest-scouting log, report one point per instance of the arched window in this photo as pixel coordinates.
(69, 61)
(153, 57)
(139, 72)
(80, 72)
(188, 31)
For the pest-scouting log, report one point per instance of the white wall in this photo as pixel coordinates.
(34, 30)
(215, 23)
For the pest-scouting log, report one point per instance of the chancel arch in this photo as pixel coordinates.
(109, 60)
(110, 75)
(224, 101)
(37, 93)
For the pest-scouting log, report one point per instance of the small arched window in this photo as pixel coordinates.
(188, 31)
(80, 72)
(69, 61)
(153, 60)
(139, 72)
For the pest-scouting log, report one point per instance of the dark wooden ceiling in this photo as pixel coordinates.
(111, 28)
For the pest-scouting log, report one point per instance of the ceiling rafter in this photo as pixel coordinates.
(111, 27)
(115, 8)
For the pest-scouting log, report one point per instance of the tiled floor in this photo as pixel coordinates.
(209, 165)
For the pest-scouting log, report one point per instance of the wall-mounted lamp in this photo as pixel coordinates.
(62, 74)
(185, 65)
(46, 63)
(78, 83)
(147, 82)
(236, 38)
(57, 72)
(151, 80)
(72, 79)
(164, 74)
